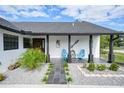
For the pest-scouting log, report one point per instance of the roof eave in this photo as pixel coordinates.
(9, 29)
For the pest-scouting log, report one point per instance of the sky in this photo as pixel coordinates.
(108, 16)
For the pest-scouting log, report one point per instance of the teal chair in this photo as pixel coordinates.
(64, 54)
(81, 54)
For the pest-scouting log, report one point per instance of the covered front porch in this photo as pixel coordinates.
(73, 44)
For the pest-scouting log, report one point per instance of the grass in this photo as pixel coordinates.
(116, 48)
(119, 57)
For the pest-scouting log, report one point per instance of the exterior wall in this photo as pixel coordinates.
(8, 57)
(82, 44)
(53, 50)
(96, 46)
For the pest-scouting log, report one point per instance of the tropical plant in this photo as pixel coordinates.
(101, 67)
(32, 58)
(2, 77)
(114, 67)
(91, 67)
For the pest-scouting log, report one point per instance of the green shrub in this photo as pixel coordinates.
(66, 69)
(48, 72)
(66, 65)
(45, 79)
(91, 67)
(50, 65)
(104, 52)
(114, 67)
(2, 77)
(69, 79)
(101, 67)
(67, 73)
(32, 58)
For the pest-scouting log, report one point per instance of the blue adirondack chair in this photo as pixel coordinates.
(81, 54)
(64, 54)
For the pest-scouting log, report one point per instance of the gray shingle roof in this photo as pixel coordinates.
(64, 28)
(55, 27)
(4, 23)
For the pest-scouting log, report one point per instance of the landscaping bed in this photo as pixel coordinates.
(119, 72)
(67, 73)
(101, 69)
(47, 74)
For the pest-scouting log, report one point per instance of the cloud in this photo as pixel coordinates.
(16, 12)
(93, 13)
(33, 14)
(57, 17)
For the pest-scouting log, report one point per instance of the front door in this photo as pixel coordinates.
(39, 43)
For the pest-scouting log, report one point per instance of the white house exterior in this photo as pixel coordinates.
(82, 44)
(49, 37)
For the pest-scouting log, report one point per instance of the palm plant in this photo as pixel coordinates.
(32, 58)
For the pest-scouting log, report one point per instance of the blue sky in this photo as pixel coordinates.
(107, 16)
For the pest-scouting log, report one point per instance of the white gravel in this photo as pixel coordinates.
(21, 76)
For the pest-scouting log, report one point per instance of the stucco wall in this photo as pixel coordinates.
(53, 50)
(8, 57)
(82, 44)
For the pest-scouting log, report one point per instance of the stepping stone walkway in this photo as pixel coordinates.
(58, 75)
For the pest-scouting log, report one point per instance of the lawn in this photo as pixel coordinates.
(116, 48)
(119, 57)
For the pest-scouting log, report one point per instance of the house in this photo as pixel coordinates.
(51, 37)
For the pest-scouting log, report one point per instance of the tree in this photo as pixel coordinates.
(104, 41)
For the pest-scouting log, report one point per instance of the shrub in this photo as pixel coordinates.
(32, 58)
(65, 65)
(114, 67)
(2, 77)
(91, 67)
(69, 79)
(101, 67)
(104, 52)
(45, 79)
(49, 69)
(66, 69)
(67, 73)
(50, 65)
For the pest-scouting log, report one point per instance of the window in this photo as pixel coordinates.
(26, 42)
(10, 42)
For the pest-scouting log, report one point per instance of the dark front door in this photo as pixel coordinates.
(39, 43)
